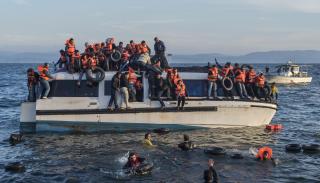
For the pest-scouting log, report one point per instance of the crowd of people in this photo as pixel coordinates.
(129, 61)
(248, 83)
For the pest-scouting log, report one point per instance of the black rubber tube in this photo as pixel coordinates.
(311, 148)
(100, 74)
(293, 148)
(227, 83)
(116, 56)
(215, 151)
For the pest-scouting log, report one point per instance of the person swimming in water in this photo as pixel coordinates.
(148, 140)
(186, 145)
(134, 161)
(210, 175)
(265, 153)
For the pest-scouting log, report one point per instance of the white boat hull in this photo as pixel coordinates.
(287, 79)
(218, 114)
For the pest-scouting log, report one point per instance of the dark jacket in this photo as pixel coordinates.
(124, 81)
(210, 176)
(186, 145)
(159, 47)
(115, 83)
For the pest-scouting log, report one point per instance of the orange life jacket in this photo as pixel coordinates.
(213, 74)
(260, 80)
(132, 76)
(251, 74)
(125, 55)
(241, 77)
(71, 48)
(181, 89)
(132, 48)
(225, 71)
(261, 152)
(175, 78)
(143, 49)
(42, 71)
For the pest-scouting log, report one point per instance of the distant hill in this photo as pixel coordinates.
(298, 56)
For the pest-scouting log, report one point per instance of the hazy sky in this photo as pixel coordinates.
(186, 26)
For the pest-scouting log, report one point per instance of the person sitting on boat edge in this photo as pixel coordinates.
(62, 62)
(148, 140)
(181, 94)
(45, 78)
(115, 91)
(274, 92)
(186, 145)
(134, 161)
(210, 175)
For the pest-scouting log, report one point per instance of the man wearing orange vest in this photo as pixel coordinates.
(250, 81)
(227, 71)
(45, 77)
(212, 82)
(181, 94)
(70, 50)
(260, 84)
(240, 77)
(133, 77)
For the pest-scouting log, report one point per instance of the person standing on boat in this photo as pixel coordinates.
(227, 71)
(181, 94)
(133, 77)
(210, 175)
(62, 62)
(260, 83)
(70, 50)
(240, 77)
(212, 82)
(160, 49)
(161, 88)
(250, 81)
(33, 80)
(124, 84)
(115, 91)
(45, 78)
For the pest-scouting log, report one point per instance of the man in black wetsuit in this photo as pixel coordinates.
(186, 145)
(210, 175)
(160, 49)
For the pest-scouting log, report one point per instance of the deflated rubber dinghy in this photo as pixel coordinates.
(293, 148)
(215, 151)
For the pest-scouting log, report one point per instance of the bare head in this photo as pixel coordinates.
(210, 162)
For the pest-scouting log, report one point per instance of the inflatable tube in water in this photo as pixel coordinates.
(116, 56)
(274, 127)
(215, 151)
(293, 148)
(99, 74)
(311, 148)
(144, 169)
(227, 83)
(161, 130)
(237, 156)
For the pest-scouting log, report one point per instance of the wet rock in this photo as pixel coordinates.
(15, 167)
(15, 138)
